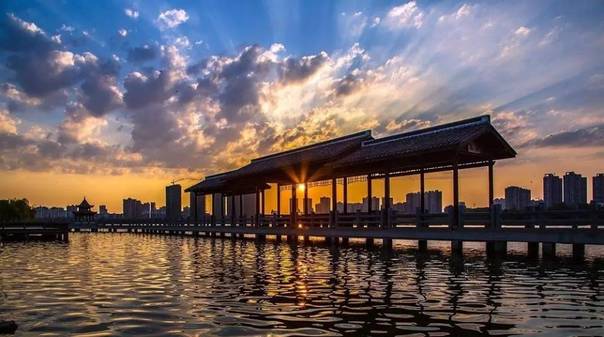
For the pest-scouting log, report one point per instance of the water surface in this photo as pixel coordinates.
(132, 284)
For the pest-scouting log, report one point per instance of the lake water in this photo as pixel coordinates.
(132, 284)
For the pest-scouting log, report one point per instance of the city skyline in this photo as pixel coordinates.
(118, 108)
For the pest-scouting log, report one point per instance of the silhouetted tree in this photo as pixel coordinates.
(15, 209)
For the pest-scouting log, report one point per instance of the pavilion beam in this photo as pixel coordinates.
(222, 209)
(263, 209)
(455, 221)
(491, 185)
(213, 221)
(422, 245)
(345, 194)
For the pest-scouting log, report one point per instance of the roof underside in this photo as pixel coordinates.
(464, 142)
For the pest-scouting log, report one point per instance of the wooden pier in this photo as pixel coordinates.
(34, 230)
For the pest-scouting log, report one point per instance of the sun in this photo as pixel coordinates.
(301, 187)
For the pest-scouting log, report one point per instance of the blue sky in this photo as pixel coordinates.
(172, 88)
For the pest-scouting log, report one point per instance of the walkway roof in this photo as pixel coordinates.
(467, 143)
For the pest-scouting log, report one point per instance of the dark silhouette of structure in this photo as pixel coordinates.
(517, 198)
(552, 190)
(173, 202)
(575, 189)
(84, 212)
(598, 189)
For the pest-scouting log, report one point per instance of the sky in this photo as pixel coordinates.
(115, 99)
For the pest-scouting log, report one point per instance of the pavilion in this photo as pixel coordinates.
(464, 144)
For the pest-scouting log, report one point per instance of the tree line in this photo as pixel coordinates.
(15, 210)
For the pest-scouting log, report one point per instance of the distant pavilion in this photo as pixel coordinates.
(84, 212)
(464, 144)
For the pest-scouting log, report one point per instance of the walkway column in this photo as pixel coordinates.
(278, 199)
(457, 245)
(256, 222)
(422, 245)
(345, 194)
(263, 209)
(232, 209)
(369, 196)
(241, 210)
(305, 206)
(491, 188)
(387, 200)
(334, 201)
(222, 209)
(293, 207)
(213, 217)
(548, 250)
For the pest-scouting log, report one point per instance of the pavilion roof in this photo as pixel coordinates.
(84, 204)
(468, 140)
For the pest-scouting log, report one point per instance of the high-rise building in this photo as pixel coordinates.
(103, 211)
(552, 190)
(433, 202)
(384, 202)
(517, 198)
(575, 189)
(598, 188)
(173, 202)
(132, 208)
(375, 204)
(324, 205)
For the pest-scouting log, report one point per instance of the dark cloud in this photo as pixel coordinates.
(17, 35)
(295, 70)
(100, 94)
(586, 137)
(143, 54)
(142, 90)
(347, 85)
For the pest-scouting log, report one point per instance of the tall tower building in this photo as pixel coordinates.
(598, 188)
(173, 202)
(552, 190)
(575, 189)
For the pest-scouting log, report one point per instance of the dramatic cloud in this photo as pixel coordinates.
(172, 18)
(591, 136)
(405, 16)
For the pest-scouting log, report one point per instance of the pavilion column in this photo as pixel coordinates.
(387, 200)
(213, 217)
(345, 194)
(422, 245)
(263, 209)
(278, 199)
(369, 194)
(294, 206)
(256, 222)
(334, 201)
(305, 207)
(194, 206)
(222, 208)
(456, 245)
(240, 209)
(232, 209)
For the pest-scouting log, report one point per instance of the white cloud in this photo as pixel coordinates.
(122, 32)
(7, 123)
(522, 31)
(405, 16)
(131, 13)
(172, 18)
(464, 10)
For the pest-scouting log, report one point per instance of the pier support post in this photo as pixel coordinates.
(548, 249)
(496, 248)
(277, 238)
(422, 245)
(369, 242)
(344, 241)
(260, 237)
(306, 239)
(578, 251)
(457, 247)
(387, 243)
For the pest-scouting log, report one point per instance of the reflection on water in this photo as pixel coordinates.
(132, 284)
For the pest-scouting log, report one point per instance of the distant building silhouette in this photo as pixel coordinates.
(84, 211)
(499, 202)
(552, 190)
(598, 188)
(103, 211)
(173, 202)
(517, 198)
(324, 205)
(433, 202)
(375, 204)
(575, 189)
